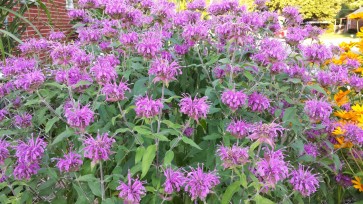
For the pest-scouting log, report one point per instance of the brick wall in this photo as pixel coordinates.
(59, 18)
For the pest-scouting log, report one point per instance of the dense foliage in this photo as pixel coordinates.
(150, 105)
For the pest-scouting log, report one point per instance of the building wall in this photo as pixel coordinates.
(37, 16)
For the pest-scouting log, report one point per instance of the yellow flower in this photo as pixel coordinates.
(346, 46)
(338, 131)
(344, 114)
(357, 109)
(341, 98)
(342, 143)
(357, 183)
(360, 34)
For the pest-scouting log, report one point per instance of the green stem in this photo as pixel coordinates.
(102, 183)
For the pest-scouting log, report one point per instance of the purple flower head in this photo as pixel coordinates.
(16, 66)
(30, 81)
(356, 82)
(272, 168)
(219, 72)
(23, 120)
(271, 50)
(195, 108)
(258, 102)
(6, 88)
(318, 110)
(78, 15)
(132, 191)
(239, 128)
(25, 170)
(70, 162)
(354, 134)
(104, 70)
(261, 3)
(89, 35)
(164, 70)
(129, 39)
(316, 53)
(233, 99)
(99, 148)
(292, 16)
(4, 151)
(64, 54)
(295, 35)
(115, 92)
(30, 152)
(272, 22)
(266, 133)
(3, 114)
(87, 4)
(163, 11)
(199, 184)
(150, 44)
(188, 131)
(3, 176)
(233, 156)
(353, 63)
(78, 116)
(174, 180)
(220, 8)
(196, 5)
(181, 49)
(304, 181)
(314, 32)
(325, 78)
(311, 150)
(343, 180)
(195, 32)
(34, 46)
(187, 17)
(146, 107)
(56, 36)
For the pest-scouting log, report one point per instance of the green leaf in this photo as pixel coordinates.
(62, 136)
(87, 178)
(169, 156)
(212, 136)
(232, 189)
(50, 124)
(148, 159)
(171, 124)
(253, 147)
(95, 187)
(190, 142)
(262, 200)
(11, 35)
(290, 115)
(249, 76)
(139, 153)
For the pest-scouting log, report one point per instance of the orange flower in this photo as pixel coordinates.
(346, 46)
(342, 143)
(357, 183)
(341, 98)
(344, 114)
(338, 131)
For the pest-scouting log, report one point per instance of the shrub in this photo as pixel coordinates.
(152, 105)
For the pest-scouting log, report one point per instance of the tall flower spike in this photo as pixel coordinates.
(200, 184)
(98, 149)
(195, 108)
(132, 191)
(304, 181)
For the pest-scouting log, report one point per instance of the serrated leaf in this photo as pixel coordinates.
(95, 187)
(147, 159)
(171, 124)
(169, 156)
(190, 142)
(87, 178)
(212, 136)
(230, 191)
(50, 124)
